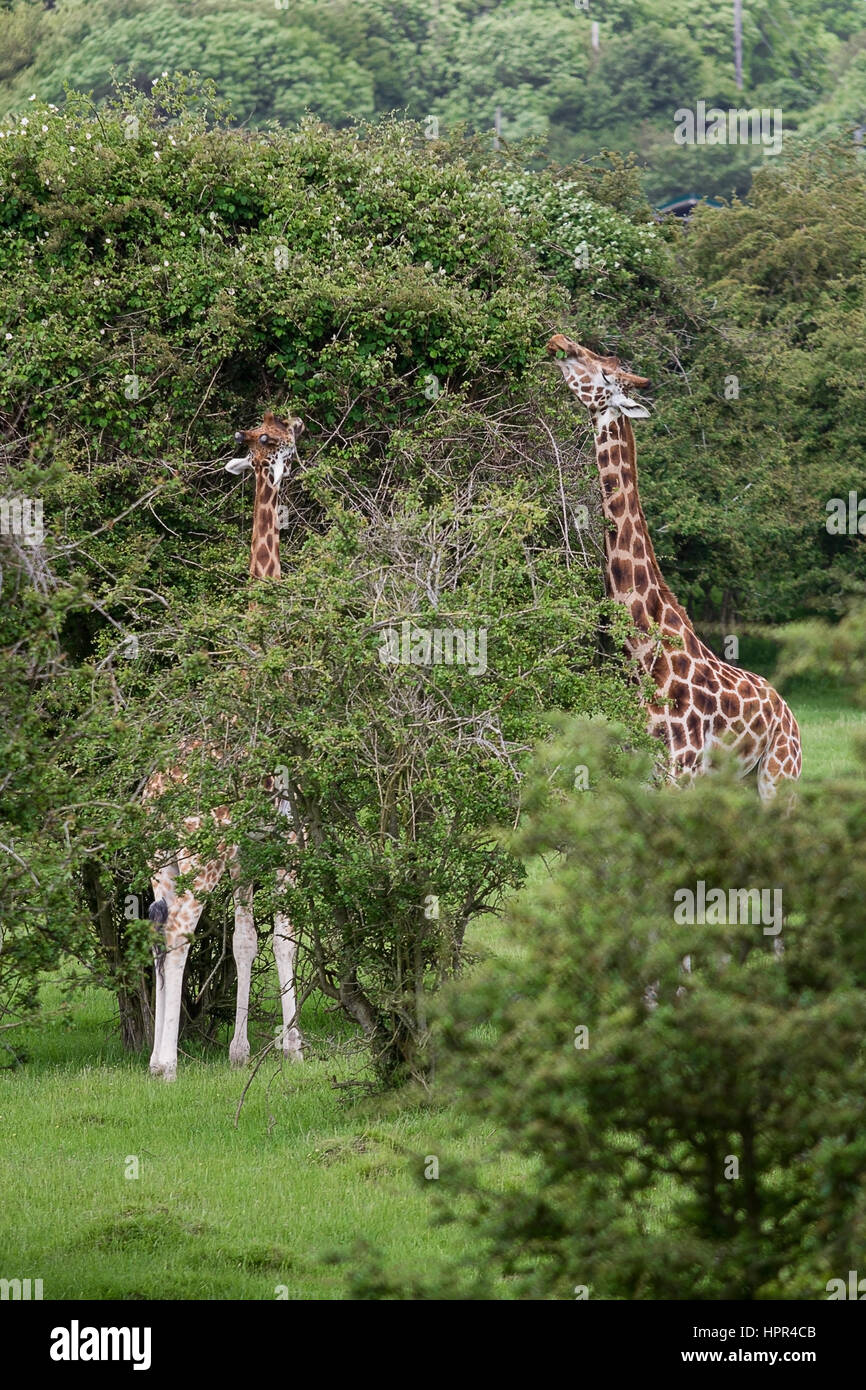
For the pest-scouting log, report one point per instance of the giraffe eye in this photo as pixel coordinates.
(264, 439)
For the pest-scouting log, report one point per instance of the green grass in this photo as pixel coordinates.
(829, 725)
(215, 1212)
(218, 1212)
(829, 730)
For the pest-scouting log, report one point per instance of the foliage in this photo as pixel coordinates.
(695, 1132)
(759, 303)
(569, 221)
(750, 325)
(39, 919)
(833, 657)
(784, 273)
(460, 61)
(165, 280)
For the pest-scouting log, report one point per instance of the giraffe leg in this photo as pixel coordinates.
(164, 895)
(173, 966)
(182, 921)
(159, 1010)
(245, 949)
(285, 952)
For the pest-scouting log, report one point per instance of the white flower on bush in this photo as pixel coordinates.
(618, 249)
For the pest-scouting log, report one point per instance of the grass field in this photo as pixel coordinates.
(828, 731)
(281, 1201)
(216, 1211)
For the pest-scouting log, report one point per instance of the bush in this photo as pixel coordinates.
(166, 279)
(688, 1133)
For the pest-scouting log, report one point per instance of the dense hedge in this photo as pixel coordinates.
(165, 281)
(687, 1133)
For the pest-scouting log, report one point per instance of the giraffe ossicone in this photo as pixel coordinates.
(700, 701)
(174, 916)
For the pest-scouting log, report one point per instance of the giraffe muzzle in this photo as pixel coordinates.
(559, 343)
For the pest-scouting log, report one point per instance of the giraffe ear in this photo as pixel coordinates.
(238, 465)
(626, 406)
(632, 409)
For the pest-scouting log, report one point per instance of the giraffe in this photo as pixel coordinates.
(174, 916)
(699, 700)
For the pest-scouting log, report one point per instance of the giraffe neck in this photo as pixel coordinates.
(632, 571)
(265, 548)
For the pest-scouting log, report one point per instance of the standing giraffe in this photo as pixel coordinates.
(271, 446)
(700, 701)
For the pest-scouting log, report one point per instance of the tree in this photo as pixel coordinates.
(460, 62)
(375, 283)
(686, 1132)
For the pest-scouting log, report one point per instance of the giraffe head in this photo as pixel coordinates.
(271, 446)
(599, 382)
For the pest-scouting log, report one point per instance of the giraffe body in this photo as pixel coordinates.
(699, 701)
(175, 916)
